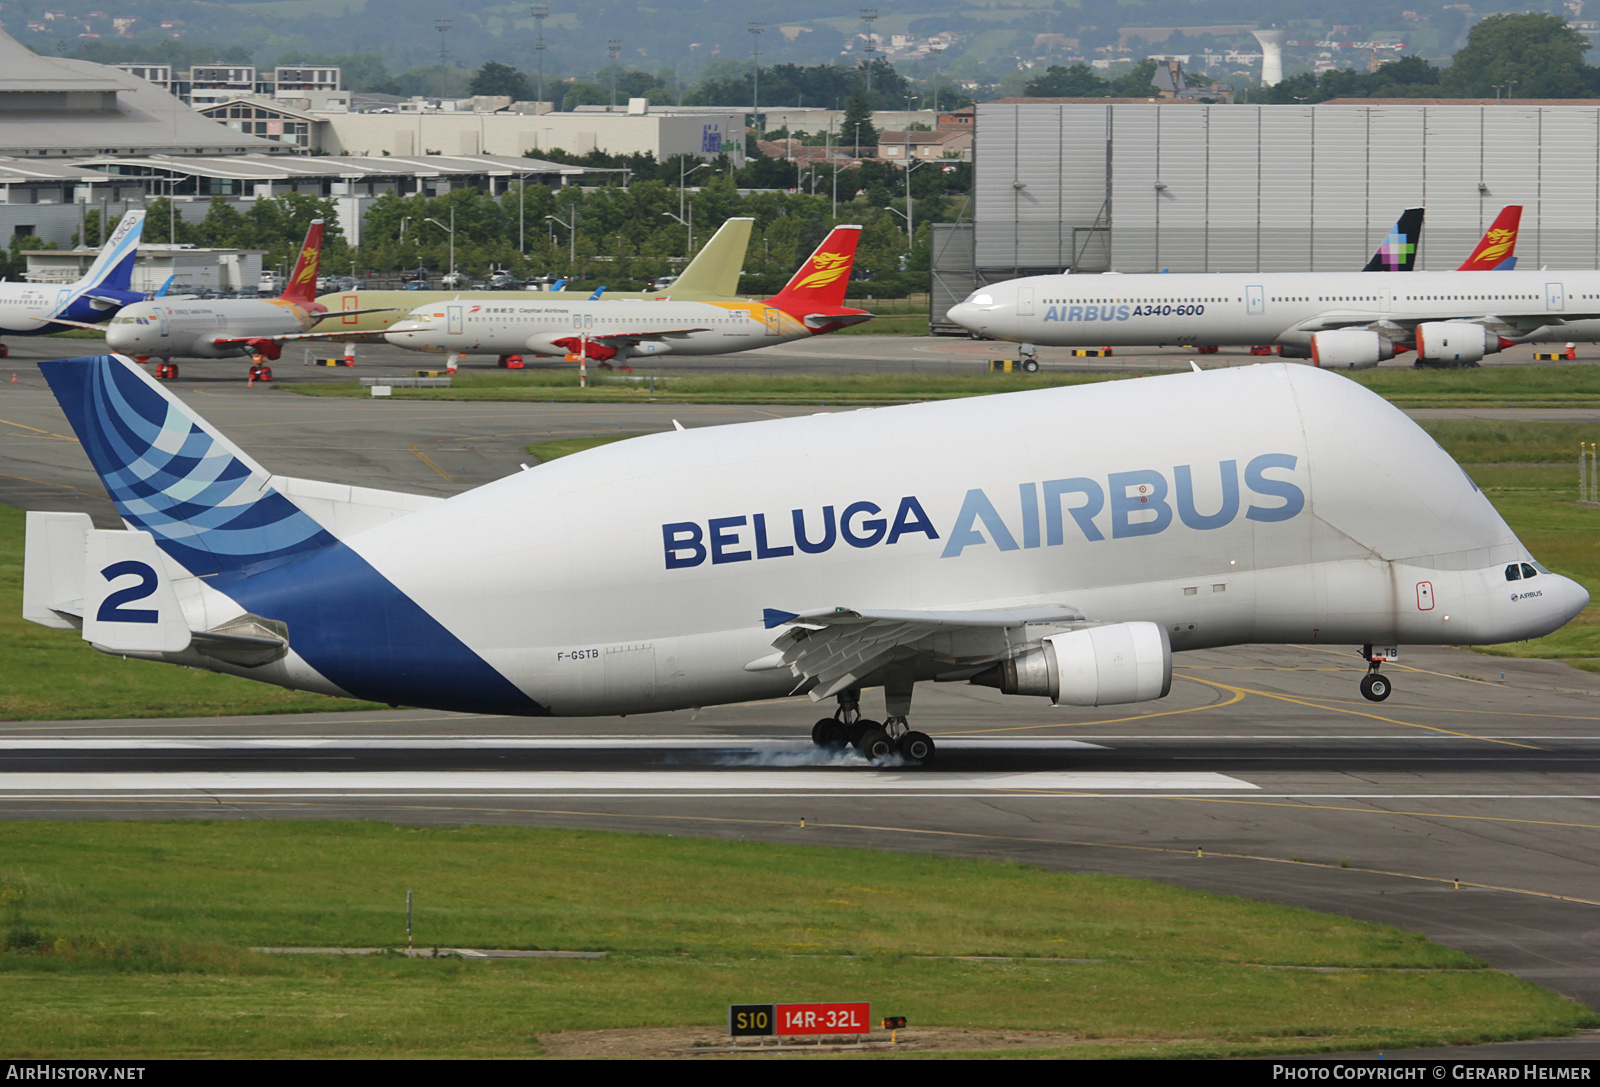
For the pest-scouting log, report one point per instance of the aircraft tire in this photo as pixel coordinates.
(1030, 366)
(830, 734)
(1375, 687)
(917, 747)
(875, 744)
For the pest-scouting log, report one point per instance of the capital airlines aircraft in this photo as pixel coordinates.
(36, 309)
(168, 328)
(811, 304)
(1339, 319)
(712, 276)
(1060, 543)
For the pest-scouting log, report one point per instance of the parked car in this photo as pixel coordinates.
(454, 279)
(414, 274)
(415, 285)
(503, 281)
(661, 283)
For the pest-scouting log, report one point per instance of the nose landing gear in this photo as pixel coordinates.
(1375, 685)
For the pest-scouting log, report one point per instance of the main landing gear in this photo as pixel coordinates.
(1375, 685)
(875, 741)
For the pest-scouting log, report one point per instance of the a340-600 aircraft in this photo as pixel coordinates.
(1345, 320)
(1060, 543)
(811, 304)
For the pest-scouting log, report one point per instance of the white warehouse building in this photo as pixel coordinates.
(1235, 188)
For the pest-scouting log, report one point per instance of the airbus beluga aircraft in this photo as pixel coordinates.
(1061, 544)
(810, 305)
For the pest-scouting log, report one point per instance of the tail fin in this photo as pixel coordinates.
(302, 286)
(1398, 253)
(822, 280)
(114, 266)
(1497, 250)
(715, 269)
(207, 503)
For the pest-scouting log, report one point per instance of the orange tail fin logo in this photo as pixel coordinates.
(824, 268)
(1498, 244)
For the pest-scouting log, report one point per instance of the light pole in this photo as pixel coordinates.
(540, 14)
(755, 88)
(682, 177)
(613, 50)
(688, 223)
(451, 230)
(572, 236)
(443, 27)
(870, 16)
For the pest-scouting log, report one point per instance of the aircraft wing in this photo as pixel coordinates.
(75, 324)
(286, 337)
(835, 649)
(648, 334)
(820, 320)
(352, 312)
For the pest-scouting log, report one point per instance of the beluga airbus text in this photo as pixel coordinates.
(1060, 543)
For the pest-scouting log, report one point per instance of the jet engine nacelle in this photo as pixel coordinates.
(1096, 666)
(1350, 349)
(1455, 341)
(650, 347)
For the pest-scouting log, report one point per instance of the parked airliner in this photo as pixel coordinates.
(168, 328)
(37, 309)
(810, 305)
(1059, 543)
(1340, 319)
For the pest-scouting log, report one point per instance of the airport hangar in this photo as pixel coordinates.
(1096, 185)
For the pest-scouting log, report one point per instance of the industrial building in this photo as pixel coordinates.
(1140, 186)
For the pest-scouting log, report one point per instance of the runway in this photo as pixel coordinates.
(1465, 807)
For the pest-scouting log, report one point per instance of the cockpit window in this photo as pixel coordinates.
(1529, 571)
(980, 299)
(1514, 572)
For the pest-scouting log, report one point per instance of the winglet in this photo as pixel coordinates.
(772, 617)
(302, 286)
(1498, 246)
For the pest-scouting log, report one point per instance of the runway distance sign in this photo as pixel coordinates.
(765, 1020)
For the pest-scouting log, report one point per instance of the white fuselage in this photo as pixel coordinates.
(192, 328)
(639, 327)
(28, 307)
(1270, 503)
(1286, 308)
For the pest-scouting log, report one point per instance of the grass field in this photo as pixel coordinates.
(132, 940)
(52, 675)
(1569, 385)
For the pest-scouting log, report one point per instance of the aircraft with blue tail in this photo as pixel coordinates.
(1059, 543)
(39, 309)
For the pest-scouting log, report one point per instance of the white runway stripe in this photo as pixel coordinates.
(709, 781)
(431, 743)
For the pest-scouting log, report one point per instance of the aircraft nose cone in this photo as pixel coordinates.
(964, 314)
(1568, 599)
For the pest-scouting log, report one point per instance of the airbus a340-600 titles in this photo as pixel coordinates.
(37, 309)
(1059, 543)
(811, 304)
(168, 328)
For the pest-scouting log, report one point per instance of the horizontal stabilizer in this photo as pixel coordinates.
(52, 569)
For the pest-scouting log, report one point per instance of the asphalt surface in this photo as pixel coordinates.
(1465, 807)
